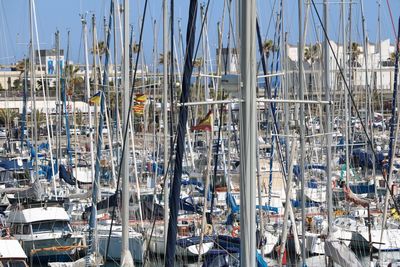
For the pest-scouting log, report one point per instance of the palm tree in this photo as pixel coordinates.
(21, 65)
(355, 52)
(161, 58)
(7, 115)
(75, 83)
(135, 48)
(79, 117)
(40, 118)
(268, 46)
(198, 62)
(307, 53)
(17, 84)
(312, 53)
(100, 48)
(392, 57)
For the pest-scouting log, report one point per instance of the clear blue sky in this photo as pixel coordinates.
(64, 15)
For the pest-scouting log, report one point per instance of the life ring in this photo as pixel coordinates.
(235, 231)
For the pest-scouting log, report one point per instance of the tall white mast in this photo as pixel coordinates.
(126, 257)
(346, 97)
(33, 83)
(328, 119)
(87, 85)
(247, 22)
(300, 53)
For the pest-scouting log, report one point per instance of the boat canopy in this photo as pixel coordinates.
(38, 214)
(11, 249)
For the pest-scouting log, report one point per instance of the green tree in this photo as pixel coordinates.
(392, 57)
(312, 53)
(17, 84)
(7, 115)
(268, 47)
(161, 58)
(355, 52)
(79, 117)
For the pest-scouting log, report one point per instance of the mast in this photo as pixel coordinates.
(380, 54)
(32, 86)
(92, 222)
(126, 257)
(115, 131)
(328, 120)
(172, 80)
(300, 53)
(368, 101)
(64, 99)
(94, 69)
(180, 144)
(58, 96)
(165, 118)
(346, 97)
(24, 99)
(393, 135)
(87, 85)
(248, 114)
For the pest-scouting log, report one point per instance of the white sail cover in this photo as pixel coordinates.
(340, 253)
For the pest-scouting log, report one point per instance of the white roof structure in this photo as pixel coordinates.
(11, 249)
(37, 215)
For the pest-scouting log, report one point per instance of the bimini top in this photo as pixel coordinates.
(37, 215)
(11, 249)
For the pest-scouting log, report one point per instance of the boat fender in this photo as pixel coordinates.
(235, 231)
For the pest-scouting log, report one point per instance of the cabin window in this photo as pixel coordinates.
(42, 227)
(26, 229)
(50, 226)
(18, 229)
(61, 226)
(13, 263)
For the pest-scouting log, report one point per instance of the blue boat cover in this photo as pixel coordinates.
(15, 164)
(66, 175)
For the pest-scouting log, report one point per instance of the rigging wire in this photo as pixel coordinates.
(391, 18)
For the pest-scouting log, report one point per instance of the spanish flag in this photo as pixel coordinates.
(141, 98)
(95, 99)
(205, 124)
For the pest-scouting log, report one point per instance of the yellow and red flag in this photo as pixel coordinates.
(205, 124)
(138, 109)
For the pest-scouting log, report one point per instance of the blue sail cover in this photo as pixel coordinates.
(66, 175)
(365, 158)
(16, 164)
(228, 246)
(236, 208)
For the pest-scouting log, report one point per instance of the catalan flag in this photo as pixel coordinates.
(205, 124)
(138, 109)
(95, 99)
(140, 98)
